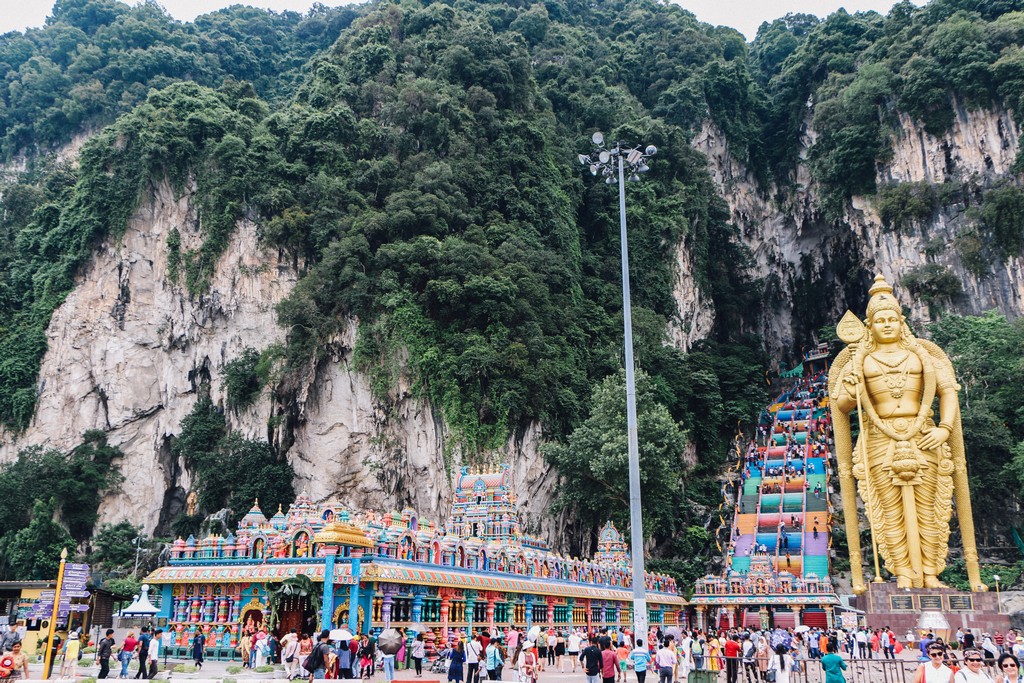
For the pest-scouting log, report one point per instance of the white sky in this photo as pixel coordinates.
(744, 15)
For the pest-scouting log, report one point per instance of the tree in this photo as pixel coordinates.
(228, 469)
(593, 463)
(33, 553)
(241, 380)
(986, 352)
(113, 546)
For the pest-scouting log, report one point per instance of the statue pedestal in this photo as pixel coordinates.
(943, 610)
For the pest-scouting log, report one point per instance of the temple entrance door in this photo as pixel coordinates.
(295, 613)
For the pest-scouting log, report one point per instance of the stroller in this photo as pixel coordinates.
(440, 665)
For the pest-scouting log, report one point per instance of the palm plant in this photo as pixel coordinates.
(300, 586)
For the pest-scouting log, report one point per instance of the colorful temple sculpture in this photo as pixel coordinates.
(477, 570)
(777, 557)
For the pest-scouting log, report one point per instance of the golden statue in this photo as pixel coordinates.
(906, 467)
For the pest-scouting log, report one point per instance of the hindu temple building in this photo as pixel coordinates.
(370, 571)
(777, 556)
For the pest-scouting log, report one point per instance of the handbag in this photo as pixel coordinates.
(769, 675)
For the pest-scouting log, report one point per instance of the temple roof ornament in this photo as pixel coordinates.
(342, 533)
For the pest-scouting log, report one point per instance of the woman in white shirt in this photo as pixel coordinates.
(782, 664)
(935, 670)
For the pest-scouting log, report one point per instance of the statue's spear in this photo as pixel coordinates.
(851, 331)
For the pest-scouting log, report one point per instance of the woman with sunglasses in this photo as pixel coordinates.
(972, 671)
(1008, 669)
(935, 669)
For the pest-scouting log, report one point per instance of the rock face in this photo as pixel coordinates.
(128, 348)
(798, 251)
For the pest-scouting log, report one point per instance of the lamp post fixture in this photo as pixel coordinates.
(611, 162)
(138, 548)
(999, 602)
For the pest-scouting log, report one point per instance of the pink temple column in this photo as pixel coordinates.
(490, 611)
(445, 605)
(551, 611)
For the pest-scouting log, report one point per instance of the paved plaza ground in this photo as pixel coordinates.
(860, 671)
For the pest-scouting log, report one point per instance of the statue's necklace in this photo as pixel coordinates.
(896, 377)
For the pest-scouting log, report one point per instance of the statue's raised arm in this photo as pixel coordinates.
(905, 465)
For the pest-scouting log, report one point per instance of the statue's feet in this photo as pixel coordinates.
(860, 589)
(904, 582)
(932, 581)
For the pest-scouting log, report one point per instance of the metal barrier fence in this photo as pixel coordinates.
(810, 671)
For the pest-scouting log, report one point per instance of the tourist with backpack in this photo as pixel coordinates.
(749, 650)
(316, 662)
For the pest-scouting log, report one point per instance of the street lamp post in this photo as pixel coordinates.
(138, 547)
(610, 162)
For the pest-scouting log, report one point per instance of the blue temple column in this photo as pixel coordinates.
(166, 602)
(353, 591)
(470, 608)
(367, 604)
(529, 611)
(417, 603)
(327, 612)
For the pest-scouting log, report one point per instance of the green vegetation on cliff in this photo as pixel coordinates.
(49, 500)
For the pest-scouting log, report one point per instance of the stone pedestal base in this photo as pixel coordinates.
(908, 609)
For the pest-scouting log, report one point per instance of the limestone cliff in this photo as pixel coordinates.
(129, 348)
(797, 250)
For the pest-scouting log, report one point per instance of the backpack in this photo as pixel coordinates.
(315, 659)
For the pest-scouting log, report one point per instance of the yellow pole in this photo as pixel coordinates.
(47, 662)
(863, 443)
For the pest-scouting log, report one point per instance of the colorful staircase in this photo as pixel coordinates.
(782, 511)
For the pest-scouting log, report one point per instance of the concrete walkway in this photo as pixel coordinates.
(218, 671)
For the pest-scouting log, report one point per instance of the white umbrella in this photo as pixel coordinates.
(802, 628)
(533, 633)
(418, 627)
(341, 634)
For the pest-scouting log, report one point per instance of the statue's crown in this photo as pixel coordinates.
(882, 298)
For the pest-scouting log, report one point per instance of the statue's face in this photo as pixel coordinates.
(886, 326)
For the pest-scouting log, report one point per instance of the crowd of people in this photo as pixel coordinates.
(750, 655)
(747, 655)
